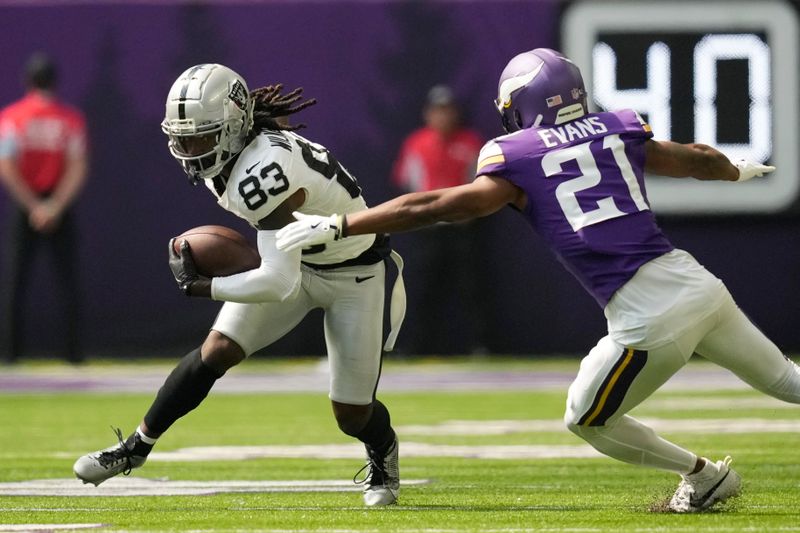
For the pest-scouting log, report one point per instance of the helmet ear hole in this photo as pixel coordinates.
(518, 119)
(506, 123)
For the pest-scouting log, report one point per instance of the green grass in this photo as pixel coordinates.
(42, 434)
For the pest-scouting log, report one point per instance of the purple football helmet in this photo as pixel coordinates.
(540, 87)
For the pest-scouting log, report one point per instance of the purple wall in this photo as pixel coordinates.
(369, 65)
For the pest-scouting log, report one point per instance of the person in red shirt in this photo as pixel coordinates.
(442, 153)
(43, 167)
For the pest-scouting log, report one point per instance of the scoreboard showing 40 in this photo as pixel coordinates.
(722, 73)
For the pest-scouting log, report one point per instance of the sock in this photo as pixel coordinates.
(137, 445)
(183, 390)
(709, 470)
(145, 438)
(377, 433)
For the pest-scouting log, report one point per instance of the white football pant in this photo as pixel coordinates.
(685, 310)
(352, 298)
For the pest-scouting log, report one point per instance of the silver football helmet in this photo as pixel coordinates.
(209, 114)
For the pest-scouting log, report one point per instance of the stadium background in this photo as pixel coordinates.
(369, 64)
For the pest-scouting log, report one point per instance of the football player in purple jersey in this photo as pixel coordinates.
(578, 178)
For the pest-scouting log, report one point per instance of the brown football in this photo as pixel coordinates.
(219, 251)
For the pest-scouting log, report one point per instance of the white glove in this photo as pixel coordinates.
(748, 169)
(309, 230)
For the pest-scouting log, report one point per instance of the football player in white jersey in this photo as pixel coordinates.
(242, 147)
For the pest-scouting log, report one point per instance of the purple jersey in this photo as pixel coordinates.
(585, 186)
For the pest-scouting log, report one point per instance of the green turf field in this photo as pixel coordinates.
(43, 433)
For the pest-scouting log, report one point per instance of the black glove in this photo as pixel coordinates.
(182, 266)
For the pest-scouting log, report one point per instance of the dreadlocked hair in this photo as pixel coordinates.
(270, 107)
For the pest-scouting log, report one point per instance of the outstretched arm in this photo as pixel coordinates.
(484, 196)
(667, 158)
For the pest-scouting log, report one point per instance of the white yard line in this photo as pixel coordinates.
(48, 527)
(356, 451)
(684, 425)
(140, 486)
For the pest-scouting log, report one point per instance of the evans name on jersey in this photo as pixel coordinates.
(577, 129)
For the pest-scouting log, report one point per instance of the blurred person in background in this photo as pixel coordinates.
(445, 287)
(578, 179)
(43, 167)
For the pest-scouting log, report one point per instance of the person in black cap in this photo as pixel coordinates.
(43, 167)
(442, 153)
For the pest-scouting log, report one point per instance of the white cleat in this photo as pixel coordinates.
(380, 496)
(698, 492)
(104, 464)
(382, 484)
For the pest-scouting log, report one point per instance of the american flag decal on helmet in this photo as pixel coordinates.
(554, 101)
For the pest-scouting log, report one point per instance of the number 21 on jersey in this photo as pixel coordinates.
(567, 193)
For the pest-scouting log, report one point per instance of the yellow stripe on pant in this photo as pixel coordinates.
(613, 389)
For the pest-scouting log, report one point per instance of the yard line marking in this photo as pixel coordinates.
(472, 428)
(693, 403)
(356, 451)
(686, 425)
(54, 509)
(47, 527)
(138, 486)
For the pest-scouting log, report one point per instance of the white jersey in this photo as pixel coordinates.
(274, 166)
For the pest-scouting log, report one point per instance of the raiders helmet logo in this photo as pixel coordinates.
(238, 94)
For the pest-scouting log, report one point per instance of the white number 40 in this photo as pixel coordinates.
(654, 100)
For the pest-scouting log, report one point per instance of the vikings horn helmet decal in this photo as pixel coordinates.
(540, 87)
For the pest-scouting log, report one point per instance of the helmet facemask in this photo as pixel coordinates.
(201, 151)
(209, 114)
